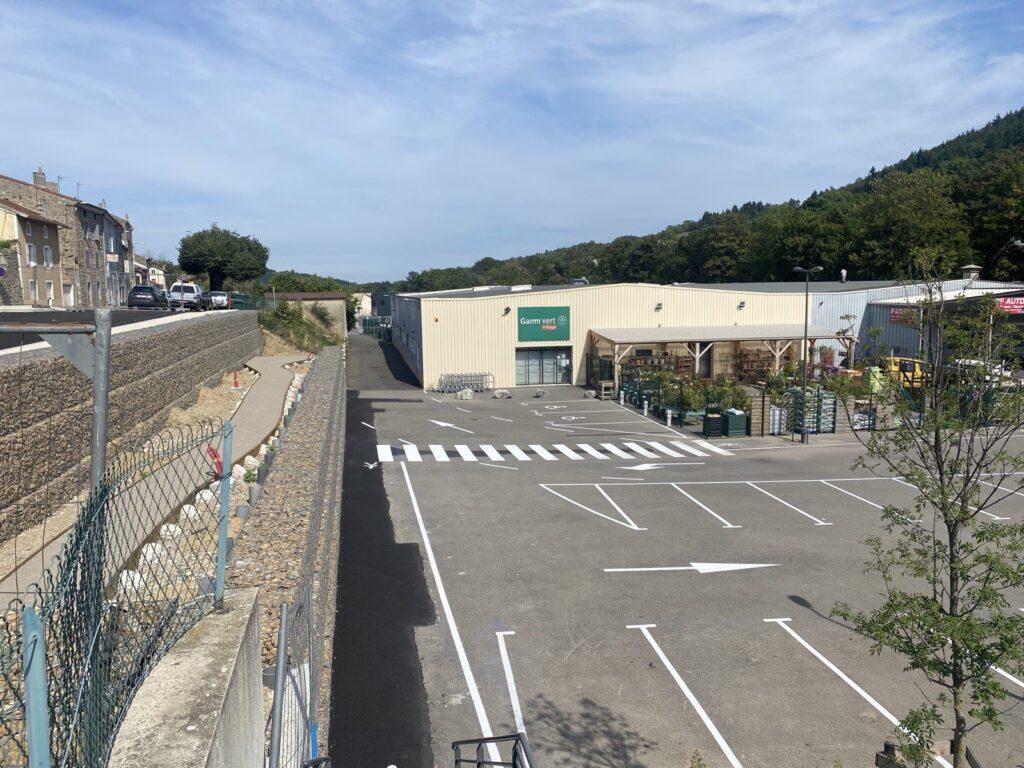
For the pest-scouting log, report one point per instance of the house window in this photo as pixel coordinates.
(49, 293)
(31, 254)
(47, 256)
(110, 245)
(46, 232)
(33, 291)
(28, 228)
(69, 295)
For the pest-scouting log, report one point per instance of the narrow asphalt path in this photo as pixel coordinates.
(379, 714)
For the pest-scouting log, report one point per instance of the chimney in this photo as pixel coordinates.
(39, 178)
(971, 271)
(53, 186)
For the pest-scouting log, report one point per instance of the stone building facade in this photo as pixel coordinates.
(37, 258)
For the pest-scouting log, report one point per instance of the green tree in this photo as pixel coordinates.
(221, 253)
(289, 281)
(904, 214)
(946, 572)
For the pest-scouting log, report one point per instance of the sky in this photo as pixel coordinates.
(367, 138)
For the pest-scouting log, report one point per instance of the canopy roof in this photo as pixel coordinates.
(706, 333)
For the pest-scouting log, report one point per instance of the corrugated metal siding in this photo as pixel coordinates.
(406, 332)
(903, 339)
(476, 335)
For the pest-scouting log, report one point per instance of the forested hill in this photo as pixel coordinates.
(959, 202)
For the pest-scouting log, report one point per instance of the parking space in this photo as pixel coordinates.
(628, 609)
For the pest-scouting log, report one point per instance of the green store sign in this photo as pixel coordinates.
(543, 323)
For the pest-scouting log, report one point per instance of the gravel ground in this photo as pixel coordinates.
(270, 550)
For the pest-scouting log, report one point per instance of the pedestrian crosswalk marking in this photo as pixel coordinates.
(664, 449)
(686, 447)
(626, 451)
(591, 450)
(641, 450)
(543, 452)
(516, 451)
(465, 453)
(614, 449)
(492, 453)
(567, 451)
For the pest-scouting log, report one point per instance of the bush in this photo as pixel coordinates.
(289, 322)
(321, 313)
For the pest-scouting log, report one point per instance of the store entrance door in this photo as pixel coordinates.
(547, 365)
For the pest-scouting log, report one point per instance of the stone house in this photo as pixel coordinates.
(94, 244)
(34, 258)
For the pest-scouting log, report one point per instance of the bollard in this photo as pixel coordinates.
(254, 494)
(668, 418)
(622, 397)
(645, 407)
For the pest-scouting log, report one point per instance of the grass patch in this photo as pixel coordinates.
(288, 321)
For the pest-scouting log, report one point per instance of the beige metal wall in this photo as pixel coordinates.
(476, 335)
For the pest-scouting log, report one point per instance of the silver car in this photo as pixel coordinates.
(219, 300)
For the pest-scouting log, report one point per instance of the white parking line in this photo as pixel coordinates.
(500, 418)
(518, 452)
(901, 481)
(784, 623)
(1009, 677)
(637, 448)
(440, 454)
(664, 449)
(631, 525)
(384, 453)
(616, 451)
(688, 448)
(541, 451)
(565, 449)
(713, 448)
(492, 453)
(726, 523)
(712, 729)
(510, 681)
(591, 450)
(370, 426)
(618, 508)
(786, 503)
(854, 495)
(412, 453)
(464, 410)
(465, 453)
(460, 650)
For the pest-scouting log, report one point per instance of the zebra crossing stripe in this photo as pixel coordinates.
(591, 450)
(636, 448)
(543, 452)
(384, 453)
(616, 451)
(687, 447)
(664, 449)
(705, 444)
(465, 453)
(412, 453)
(492, 453)
(440, 454)
(518, 452)
(567, 451)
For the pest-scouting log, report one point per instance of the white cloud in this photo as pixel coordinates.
(369, 138)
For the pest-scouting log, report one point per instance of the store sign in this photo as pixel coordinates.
(902, 315)
(1011, 305)
(543, 323)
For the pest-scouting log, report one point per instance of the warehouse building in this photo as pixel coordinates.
(579, 334)
(527, 335)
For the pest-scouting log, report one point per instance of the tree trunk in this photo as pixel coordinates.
(959, 747)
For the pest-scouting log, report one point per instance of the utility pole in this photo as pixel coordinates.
(806, 272)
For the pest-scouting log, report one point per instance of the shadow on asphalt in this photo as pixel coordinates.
(379, 714)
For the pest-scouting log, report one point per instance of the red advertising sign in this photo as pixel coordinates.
(902, 315)
(1012, 305)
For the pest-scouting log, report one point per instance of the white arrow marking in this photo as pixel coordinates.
(645, 467)
(698, 567)
(370, 465)
(370, 426)
(446, 424)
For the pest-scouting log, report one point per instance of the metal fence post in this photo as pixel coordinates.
(277, 714)
(37, 714)
(312, 683)
(100, 397)
(225, 511)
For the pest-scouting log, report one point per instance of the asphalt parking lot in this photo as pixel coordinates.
(624, 592)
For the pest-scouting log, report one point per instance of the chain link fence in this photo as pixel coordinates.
(135, 571)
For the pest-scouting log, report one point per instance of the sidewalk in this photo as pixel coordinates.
(256, 417)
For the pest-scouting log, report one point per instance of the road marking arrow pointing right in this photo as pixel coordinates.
(698, 567)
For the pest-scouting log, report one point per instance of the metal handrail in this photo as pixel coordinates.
(522, 755)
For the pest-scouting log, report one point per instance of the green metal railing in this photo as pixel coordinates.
(141, 565)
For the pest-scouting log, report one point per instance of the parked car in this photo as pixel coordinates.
(188, 296)
(219, 300)
(241, 300)
(148, 297)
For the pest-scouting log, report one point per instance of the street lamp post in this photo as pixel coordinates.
(806, 272)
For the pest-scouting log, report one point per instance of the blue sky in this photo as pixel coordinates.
(366, 139)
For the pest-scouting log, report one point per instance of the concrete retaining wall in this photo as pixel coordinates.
(46, 404)
(202, 705)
